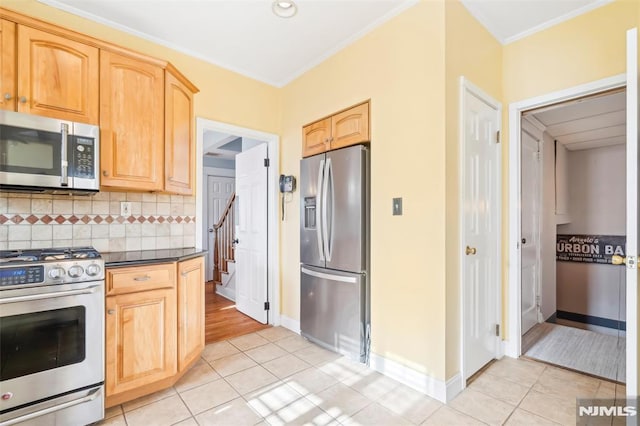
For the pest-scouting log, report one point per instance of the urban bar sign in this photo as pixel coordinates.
(589, 248)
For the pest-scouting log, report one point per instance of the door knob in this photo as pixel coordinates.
(470, 251)
(7, 96)
(618, 260)
(22, 100)
(524, 241)
(210, 229)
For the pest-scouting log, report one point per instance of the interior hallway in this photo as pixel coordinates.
(276, 377)
(222, 319)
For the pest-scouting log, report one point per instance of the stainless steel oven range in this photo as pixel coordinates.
(51, 337)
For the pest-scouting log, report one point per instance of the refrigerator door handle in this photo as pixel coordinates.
(325, 208)
(330, 277)
(332, 212)
(319, 202)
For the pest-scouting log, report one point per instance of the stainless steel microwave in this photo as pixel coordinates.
(47, 155)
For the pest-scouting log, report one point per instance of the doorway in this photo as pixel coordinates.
(513, 346)
(573, 207)
(219, 148)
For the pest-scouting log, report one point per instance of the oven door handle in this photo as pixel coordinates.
(90, 397)
(88, 290)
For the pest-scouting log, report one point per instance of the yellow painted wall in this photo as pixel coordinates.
(472, 52)
(584, 49)
(400, 66)
(224, 95)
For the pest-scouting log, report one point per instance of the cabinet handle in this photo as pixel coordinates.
(326, 140)
(22, 100)
(331, 139)
(185, 273)
(145, 278)
(105, 173)
(7, 96)
(111, 311)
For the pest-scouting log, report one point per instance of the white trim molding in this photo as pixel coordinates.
(512, 345)
(290, 323)
(443, 391)
(273, 240)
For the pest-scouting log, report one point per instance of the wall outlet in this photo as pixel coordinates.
(125, 208)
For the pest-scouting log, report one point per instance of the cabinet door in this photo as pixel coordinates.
(179, 151)
(190, 311)
(315, 137)
(57, 77)
(350, 127)
(140, 339)
(7, 65)
(131, 123)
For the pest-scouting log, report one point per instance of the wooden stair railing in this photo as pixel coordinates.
(223, 247)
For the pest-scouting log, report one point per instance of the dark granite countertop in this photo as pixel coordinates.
(142, 257)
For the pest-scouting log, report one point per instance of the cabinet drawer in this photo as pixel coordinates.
(139, 278)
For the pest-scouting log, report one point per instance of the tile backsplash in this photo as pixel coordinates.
(157, 221)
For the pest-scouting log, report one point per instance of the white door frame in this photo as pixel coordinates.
(513, 345)
(467, 86)
(273, 244)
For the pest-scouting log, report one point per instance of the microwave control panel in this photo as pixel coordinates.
(84, 164)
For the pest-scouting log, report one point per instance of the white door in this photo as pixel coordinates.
(632, 213)
(219, 190)
(251, 233)
(480, 256)
(530, 230)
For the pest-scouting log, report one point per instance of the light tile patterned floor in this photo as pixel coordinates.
(275, 377)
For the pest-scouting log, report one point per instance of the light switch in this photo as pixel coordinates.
(397, 206)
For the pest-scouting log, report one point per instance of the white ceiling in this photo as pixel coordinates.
(246, 37)
(586, 123)
(510, 20)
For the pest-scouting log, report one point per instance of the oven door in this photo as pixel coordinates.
(52, 341)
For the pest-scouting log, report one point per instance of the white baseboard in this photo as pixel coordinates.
(290, 323)
(225, 292)
(437, 389)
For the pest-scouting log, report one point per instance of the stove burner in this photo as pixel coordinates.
(34, 255)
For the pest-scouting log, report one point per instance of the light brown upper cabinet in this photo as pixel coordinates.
(345, 128)
(178, 150)
(8, 81)
(131, 123)
(46, 74)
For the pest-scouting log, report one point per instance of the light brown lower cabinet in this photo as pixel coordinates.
(153, 335)
(190, 311)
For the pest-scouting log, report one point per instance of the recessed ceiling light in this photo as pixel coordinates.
(284, 8)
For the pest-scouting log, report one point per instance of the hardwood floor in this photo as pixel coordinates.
(222, 320)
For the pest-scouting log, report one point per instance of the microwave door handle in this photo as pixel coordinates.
(64, 175)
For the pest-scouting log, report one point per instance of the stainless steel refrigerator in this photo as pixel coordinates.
(334, 251)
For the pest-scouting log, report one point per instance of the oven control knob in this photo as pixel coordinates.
(93, 270)
(56, 273)
(75, 271)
